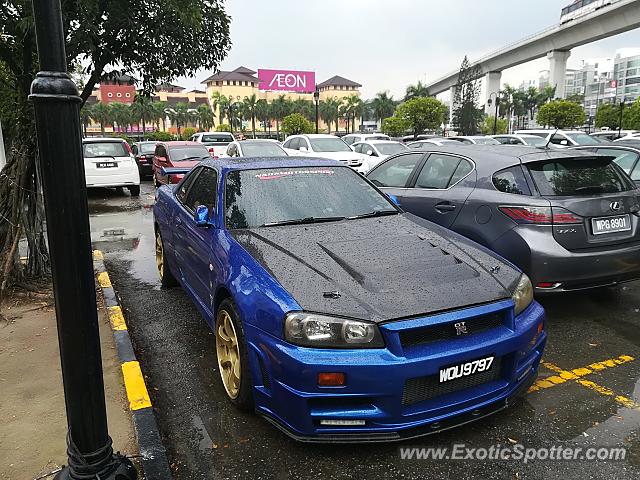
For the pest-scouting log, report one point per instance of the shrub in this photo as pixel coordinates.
(296, 124)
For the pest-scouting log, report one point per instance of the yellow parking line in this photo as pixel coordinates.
(97, 255)
(565, 375)
(117, 318)
(134, 384)
(104, 280)
(621, 399)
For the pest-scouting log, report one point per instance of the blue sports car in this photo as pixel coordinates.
(338, 316)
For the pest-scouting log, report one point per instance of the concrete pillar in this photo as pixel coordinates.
(558, 70)
(452, 91)
(492, 85)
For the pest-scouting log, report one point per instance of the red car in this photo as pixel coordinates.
(176, 154)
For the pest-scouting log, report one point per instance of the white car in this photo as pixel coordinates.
(563, 138)
(521, 139)
(475, 140)
(323, 146)
(376, 151)
(255, 148)
(108, 162)
(216, 142)
(612, 135)
(438, 141)
(363, 137)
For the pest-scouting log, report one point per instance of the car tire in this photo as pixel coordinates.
(231, 353)
(134, 190)
(167, 280)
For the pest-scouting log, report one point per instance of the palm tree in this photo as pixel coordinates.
(304, 108)
(382, 106)
(250, 110)
(179, 115)
(280, 108)
(142, 109)
(101, 113)
(328, 110)
(86, 115)
(158, 113)
(205, 117)
(121, 114)
(263, 112)
(354, 108)
(416, 91)
(344, 112)
(220, 103)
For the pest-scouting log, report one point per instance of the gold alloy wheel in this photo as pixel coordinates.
(159, 255)
(228, 353)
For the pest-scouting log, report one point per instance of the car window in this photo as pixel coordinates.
(557, 139)
(160, 151)
(583, 139)
(217, 138)
(186, 153)
(287, 144)
(624, 158)
(104, 149)
(134, 149)
(349, 140)
(396, 171)
(181, 194)
(203, 191)
(147, 147)
(358, 147)
(438, 171)
(635, 174)
(303, 143)
(511, 180)
(390, 148)
(295, 143)
(578, 176)
(262, 149)
(329, 144)
(503, 140)
(515, 141)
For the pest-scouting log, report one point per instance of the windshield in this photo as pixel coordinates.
(263, 149)
(258, 197)
(486, 141)
(217, 138)
(104, 149)
(578, 176)
(179, 154)
(377, 137)
(391, 148)
(583, 139)
(328, 145)
(534, 141)
(146, 147)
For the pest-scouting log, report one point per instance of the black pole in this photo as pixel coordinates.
(620, 121)
(57, 107)
(316, 115)
(495, 119)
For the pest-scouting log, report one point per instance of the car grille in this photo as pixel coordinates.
(448, 331)
(425, 388)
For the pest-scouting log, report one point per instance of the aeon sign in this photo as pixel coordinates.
(287, 80)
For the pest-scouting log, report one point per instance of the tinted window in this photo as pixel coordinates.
(257, 198)
(329, 145)
(262, 149)
(503, 140)
(438, 171)
(217, 138)
(287, 144)
(358, 147)
(486, 141)
(203, 191)
(186, 183)
(464, 168)
(583, 139)
(635, 174)
(390, 148)
(578, 176)
(195, 152)
(349, 140)
(558, 139)
(511, 180)
(146, 147)
(624, 158)
(395, 172)
(104, 149)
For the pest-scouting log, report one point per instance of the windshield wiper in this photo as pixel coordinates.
(375, 213)
(301, 221)
(192, 158)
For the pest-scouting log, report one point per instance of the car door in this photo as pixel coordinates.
(392, 176)
(196, 241)
(440, 188)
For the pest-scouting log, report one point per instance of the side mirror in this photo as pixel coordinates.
(394, 199)
(369, 152)
(201, 216)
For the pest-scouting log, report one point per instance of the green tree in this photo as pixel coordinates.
(249, 104)
(631, 116)
(205, 116)
(466, 115)
(86, 115)
(576, 98)
(382, 105)
(296, 123)
(223, 127)
(100, 37)
(187, 133)
(486, 127)
(608, 115)
(263, 113)
(101, 113)
(122, 115)
(395, 126)
(416, 91)
(220, 103)
(280, 108)
(561, 114)
(329, 111)
(159, 114)
(422, 114)
(179, 115)
(142, 109)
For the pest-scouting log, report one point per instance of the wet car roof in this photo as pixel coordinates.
(253, 163)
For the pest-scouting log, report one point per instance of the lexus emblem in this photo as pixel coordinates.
(461, 328)
(615, 206)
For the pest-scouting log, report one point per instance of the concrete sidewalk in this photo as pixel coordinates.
(32, 412)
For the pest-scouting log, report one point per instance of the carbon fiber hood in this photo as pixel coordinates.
(382, 268)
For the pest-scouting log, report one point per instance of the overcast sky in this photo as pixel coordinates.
(388, 44)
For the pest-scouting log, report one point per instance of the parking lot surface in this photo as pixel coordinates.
(588, 392)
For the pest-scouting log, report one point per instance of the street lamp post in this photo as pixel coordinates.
(316, 98)
(495, 117)
(57, 106)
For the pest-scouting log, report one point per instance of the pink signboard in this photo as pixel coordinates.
(287, 80)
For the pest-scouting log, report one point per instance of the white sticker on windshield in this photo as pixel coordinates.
(289, 173)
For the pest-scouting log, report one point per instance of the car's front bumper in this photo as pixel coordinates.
(286, 390)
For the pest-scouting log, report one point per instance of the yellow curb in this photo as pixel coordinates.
(117, 318)
(134, 384)
(97, 255)
(104, 280)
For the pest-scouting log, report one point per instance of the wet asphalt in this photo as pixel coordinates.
(206, 437)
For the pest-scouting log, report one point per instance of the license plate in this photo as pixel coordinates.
(619, 223)
(106, 164)
(466, 369)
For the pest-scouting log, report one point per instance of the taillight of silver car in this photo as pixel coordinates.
(540, 215)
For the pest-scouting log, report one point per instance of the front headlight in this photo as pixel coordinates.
(323, 331)
(523, 294)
